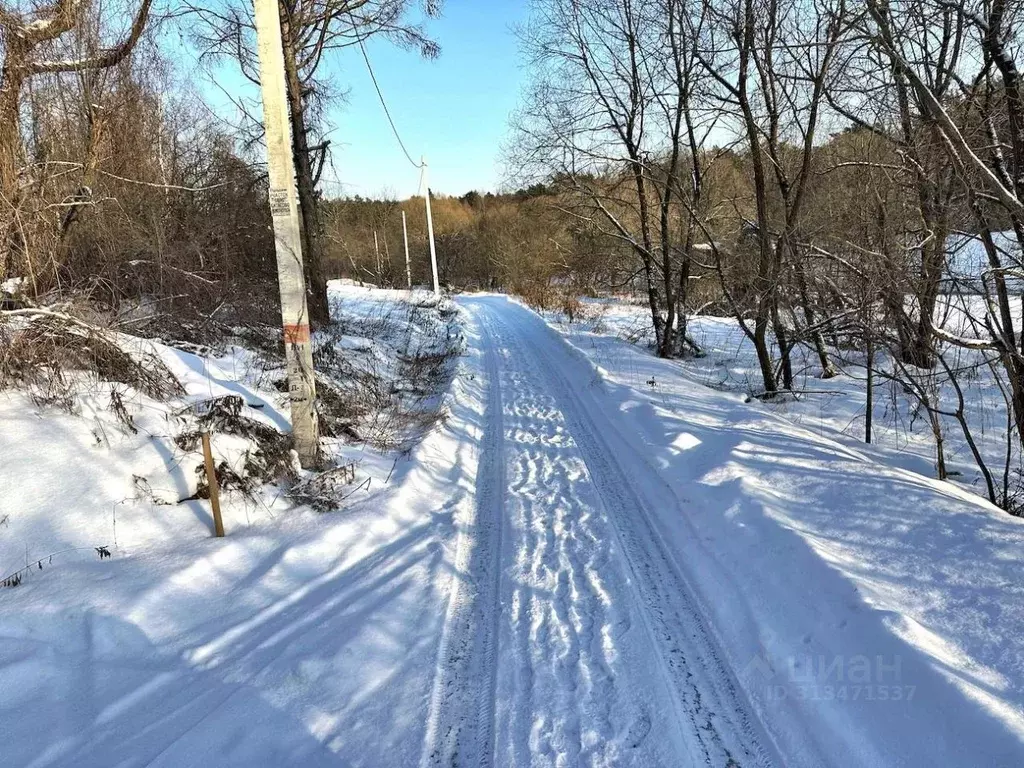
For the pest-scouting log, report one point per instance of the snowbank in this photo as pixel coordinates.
(75, 482)
(301, 638)
(836, 407)
(874, 616)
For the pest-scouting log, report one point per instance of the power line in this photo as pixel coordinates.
(422, 165)
(384, 104)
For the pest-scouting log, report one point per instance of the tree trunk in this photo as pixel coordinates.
(920, 352)
(684, 341)
(312, 251)
(785, 346)
(765, 282)
(10, 143)
(764, 358)
(828, 371)
(869, 393)
(653, 299)
(669, 334)
(940, 451)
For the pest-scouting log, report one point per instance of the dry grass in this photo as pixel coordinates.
(387, 394)
(52, 355)
(270, 459)
(326, 491)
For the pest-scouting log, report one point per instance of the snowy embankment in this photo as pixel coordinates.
(836, 407)
(298, 638)
(873, 615)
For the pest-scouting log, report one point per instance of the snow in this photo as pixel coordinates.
(11, 286)
(593, 559)
(836, 578)
(968, 266)
(126, 490)
(297, 638)
(588, 666)
(113, 488)
(836, 407)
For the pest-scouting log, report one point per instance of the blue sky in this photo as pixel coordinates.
(453, 109)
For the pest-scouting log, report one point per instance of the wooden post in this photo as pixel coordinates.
(870, 394)
(211, 482)
(285, 213)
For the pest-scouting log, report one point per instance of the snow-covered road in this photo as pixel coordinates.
(571, 637)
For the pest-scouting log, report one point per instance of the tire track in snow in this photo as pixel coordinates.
(460, 728)
(570, 695)
(561, 694)
(522, 624)
(716, 719)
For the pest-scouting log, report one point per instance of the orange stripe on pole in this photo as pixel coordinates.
(296, 334)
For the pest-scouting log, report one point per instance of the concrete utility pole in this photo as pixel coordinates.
(405, 238)
(376, 255)
(284, 209)
(430, 225)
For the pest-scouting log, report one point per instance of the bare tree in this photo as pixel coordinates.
(972, 130)
(772, 62)
(31, 47)
(615, 117)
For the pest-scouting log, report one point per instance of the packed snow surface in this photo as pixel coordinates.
(593, 560)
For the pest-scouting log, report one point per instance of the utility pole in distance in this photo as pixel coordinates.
(430, 224)
(288, 243)
(376, 256)
(405, 237)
